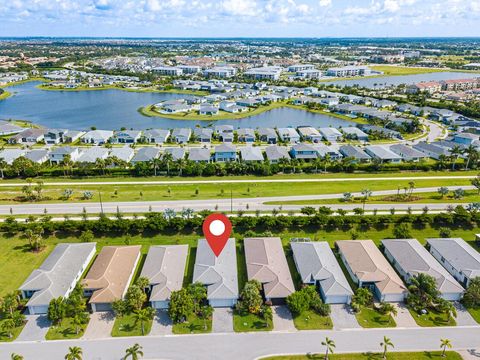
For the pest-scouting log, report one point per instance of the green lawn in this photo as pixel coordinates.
(475, 312)
(183, 191)
(193, 325)
(66, 330)
(432, 319)
(128, 326)
(404, 70)
(15, 332)
(370, 318)
(17, 261)
(426, 355)
(310, 320)
(250, 322)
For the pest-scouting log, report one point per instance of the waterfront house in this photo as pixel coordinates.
(218, 274)
(318, 266)
(126, 136)
(206, 109)
(109, 277)
(164, 268)
(156, 136)
(204, 135)
(246, 135)
(27, 136)
(309, 133)
(266, 263)
(330, 134)
(54, 136)
(57, 276)
(97, 137)
(289, 135)
(7, 128)
(354, 133)
(410, 259)
(181, 135)
(267, 135)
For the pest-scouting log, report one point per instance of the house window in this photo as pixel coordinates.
(442, 259)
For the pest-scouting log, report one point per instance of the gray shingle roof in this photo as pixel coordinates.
(199, 154)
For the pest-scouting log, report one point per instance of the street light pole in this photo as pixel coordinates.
(231, 201)
(101, 204)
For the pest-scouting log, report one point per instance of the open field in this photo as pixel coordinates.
(390, 70)
(123, 191)
(427, 355)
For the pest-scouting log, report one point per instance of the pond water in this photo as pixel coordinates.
(113, 109)
(380, 82)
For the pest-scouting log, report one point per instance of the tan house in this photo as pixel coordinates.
(164, 268)
(109, 277)
(368, 268)
(266, 262)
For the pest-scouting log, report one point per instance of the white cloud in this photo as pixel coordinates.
(240, 7)
(325, 3)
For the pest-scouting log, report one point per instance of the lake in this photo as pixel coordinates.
(384, 81)
(113, 109)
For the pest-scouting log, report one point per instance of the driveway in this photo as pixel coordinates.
(404, 319)
(470, 354)
(100, 325)
(162, 324)
(463, 316)
(282, 319)
(36, 328)
(343, 317)
(222, 320)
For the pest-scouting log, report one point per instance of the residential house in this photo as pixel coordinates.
(59, 154)
(275, 153)
(330, 134)
(27, 136)
(125, 153)
(460, 259)
(176, 152)
(57, 276)
(164, 268)
(318, 266)
(156, 136)
(432, 150)
(199, 155)
(10, 155)
(97, 137)
(206, 109)
(267, 135)
(126, 136)
(246, 135)
(225, 153)
(73, 135)
(408, 153)
(203, 135)
(251, 154)
(289, 135)
(410, 259)
(309, 133)
(303, 152)
(354, 133)
(182, 135)
(145, 154)
(368, 268)
(266, 263)
(38, 156)
(91, 155)
(109, 277)
(7, 128)
(466, 138)
(54, 136)
(218, 274)
(355, 152)
(383, 153)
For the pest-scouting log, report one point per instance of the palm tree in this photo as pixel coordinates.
(167, 159)
(77, 321)
(471, 152)
(135, 352)
(443, 191)
(3, 165)
(8, 325)
(386, 343)
(366, 194)
(74, 353)
(327, 160)
(142, 316)
(156, 163)
(329, 345)
(455, 152)
(444, 344)
(16, 357)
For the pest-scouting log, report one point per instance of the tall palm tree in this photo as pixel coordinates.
(327, 160)
(386, 343)
(77, 321)
(329, 346)
(472, 153)
(455, 152)
(156, 163)
(3, 165)
(74, 353)
(142, 316)
(16, 357)
(366, 194)
(167, 159)
(444, 344)
(135, 352)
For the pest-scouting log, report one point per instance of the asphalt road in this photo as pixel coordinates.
(248, 346)
(223, 204)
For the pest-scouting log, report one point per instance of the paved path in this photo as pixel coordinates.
(36, 328)
(223, 204)
(463, 316)
(343, 317)
(222, 320)
(162, 324)
(404, 319)
(282, 319)
(100, 326)
(248, 346)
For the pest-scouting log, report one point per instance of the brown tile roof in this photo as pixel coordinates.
(111, 272)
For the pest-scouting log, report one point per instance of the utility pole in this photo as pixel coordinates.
(231, 201)
(101, 204)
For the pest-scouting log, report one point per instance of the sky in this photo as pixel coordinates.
(240, 18)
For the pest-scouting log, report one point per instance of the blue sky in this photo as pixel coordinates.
(242, 18)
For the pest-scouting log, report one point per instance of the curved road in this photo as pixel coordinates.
(223, 204)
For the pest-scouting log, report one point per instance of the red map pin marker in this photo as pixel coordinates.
(217, 229)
